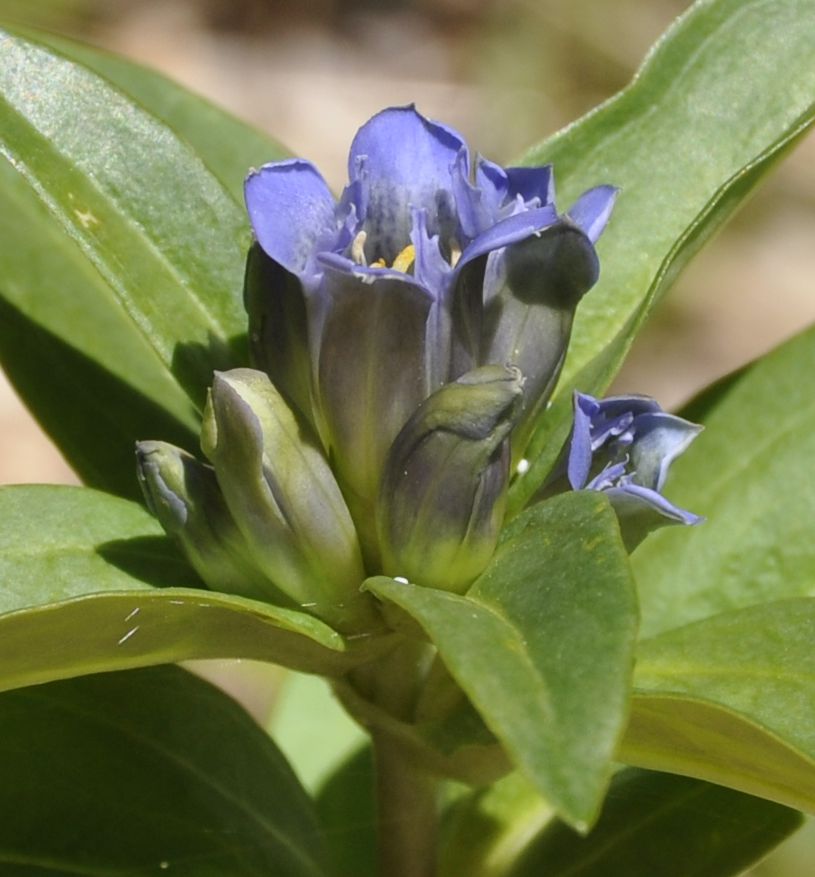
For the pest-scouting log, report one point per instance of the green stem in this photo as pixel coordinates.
(407, 813)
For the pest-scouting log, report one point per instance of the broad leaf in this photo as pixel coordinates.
(67, 340)
(660, 824)
(723, 95)
(750, 473)
(730, 699)
(227, 146)
(74, 355)
(311, 728)
(347, 811)
(542, 645)
(484, 831)
(89, 583)
(121, 276)
(143, 773)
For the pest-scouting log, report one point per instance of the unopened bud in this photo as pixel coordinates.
(284, 498)
(442, 498)
(183, 494)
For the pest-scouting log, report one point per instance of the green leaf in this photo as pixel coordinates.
(730, 700)
(755, 485)
(484, 831)
(347, 811)
(163, 233)
(74, 355)
(227, 146)
(542, 644)
(89, 582)
(660, 824)
(121, 275)
(311, 728)
(723, 95)
(67, 339)
(143, 773)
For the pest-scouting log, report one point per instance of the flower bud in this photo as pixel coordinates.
(441, 502)
(184, 495)
(284, 499)
(538, 284)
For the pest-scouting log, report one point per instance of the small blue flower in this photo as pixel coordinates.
(624, 447)
(424, 269)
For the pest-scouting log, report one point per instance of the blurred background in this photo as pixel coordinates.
(506, 73)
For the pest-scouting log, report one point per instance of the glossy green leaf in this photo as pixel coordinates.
(667, 825)
(312, 730)
(89, 582)
(484, 832)
(730, 700)
(542, 644)
(227, 146)
(67, 338)
(756, 486)
(163, 233)
(121, 276)
(74, 355)
(725, 93)
(347, 811)
(142, 773)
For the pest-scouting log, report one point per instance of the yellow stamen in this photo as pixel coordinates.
(405, 259)
(380, 263)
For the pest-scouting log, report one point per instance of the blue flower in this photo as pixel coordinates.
(427, 267)
(624, 447)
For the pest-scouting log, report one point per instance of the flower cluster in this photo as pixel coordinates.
(402, 335)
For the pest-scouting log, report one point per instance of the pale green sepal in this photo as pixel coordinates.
(283, 497)
(441, 501)
(183, 494)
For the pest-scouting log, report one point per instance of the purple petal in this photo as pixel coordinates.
(492, 180)
(431, 269)
(580, 450)
(371, 373)
(592, 210)
(532, 183)
(509, 231)
(608, 477)
(291, 210)
(659, 439)
(632, 498)
(366, 273)
(614, 406)
(528, 319)
(404, 161)
(474, 215)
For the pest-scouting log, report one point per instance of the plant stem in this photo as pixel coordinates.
(407, 813)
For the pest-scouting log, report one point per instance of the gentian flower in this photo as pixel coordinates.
(427, 267)
(624, 447)
(402, 335)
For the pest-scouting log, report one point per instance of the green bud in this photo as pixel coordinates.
(184, 495)
(284, 498)
(442, 498)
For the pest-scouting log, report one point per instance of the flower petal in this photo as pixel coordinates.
(660, 439)
(528, 317)
(291, 210)
(580, 447)
(592, 210)
(532, 183)
(278, 328)
(404, 161)
(508, 231)
(641, 510)
(371, 375)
